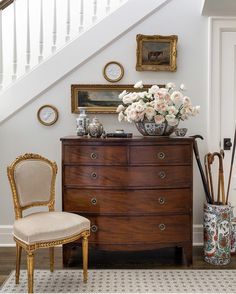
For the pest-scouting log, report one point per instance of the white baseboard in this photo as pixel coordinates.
(197, 235)
(6, 239)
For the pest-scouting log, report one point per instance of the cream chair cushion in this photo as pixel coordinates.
(33, 181)
(49, 226)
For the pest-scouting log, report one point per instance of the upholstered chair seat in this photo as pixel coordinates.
(49, 226)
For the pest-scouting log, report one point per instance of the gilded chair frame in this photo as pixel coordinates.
(30, 248)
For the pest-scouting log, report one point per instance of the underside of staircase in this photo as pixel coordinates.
(74, 54)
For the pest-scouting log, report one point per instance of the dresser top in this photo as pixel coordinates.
(135, 139)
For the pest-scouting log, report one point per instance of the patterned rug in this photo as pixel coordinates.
(127, 281)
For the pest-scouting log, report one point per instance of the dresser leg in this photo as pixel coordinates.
(66, 255)
(188, 253)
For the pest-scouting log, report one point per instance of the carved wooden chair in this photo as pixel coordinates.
(32, 179)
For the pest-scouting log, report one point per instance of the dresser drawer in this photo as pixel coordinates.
(95, 155)
(141, 229)
(158, 154)
(136, 176)
(127, 202)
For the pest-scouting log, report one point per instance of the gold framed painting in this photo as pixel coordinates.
(156, 53)
(99, 98)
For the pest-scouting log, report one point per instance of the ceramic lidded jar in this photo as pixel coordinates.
(95, 128)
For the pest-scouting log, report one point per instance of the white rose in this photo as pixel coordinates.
(150, 112)
(177, 97)
(120, 108)
(168, 99)
(124, 93)
(141, 116)
(195, 110)
(182, 87)
(172, 110)
(140, 106)
(134, 96)
(172, 120)
(159, 119)
(163, 107)
(121, 116)
(133, 115)
(161, 93)
(170, 86)
(184, 114)
(153, 89)
(142, 94)
(127, 99)
(186, 101)
(138, 85)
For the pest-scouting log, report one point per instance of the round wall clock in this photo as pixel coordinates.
(113, 71)
(47, 115)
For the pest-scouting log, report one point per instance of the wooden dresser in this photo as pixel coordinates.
(137, 192)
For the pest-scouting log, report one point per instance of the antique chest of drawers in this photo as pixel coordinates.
(137, 192)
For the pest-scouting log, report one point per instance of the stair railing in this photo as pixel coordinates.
(32, 30)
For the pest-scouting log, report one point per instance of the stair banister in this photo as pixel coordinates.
(29, 33)
(5, 3)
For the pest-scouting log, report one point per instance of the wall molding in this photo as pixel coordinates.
(6, 239)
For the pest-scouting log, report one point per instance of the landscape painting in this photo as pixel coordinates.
(98, 98)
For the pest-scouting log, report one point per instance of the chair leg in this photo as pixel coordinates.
(18, 259)
(30, 267)
(85, 257)
(51, 254)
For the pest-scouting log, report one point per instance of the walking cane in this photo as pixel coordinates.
(196, 152)
(221, 184)
(208, 162)
(231, 167)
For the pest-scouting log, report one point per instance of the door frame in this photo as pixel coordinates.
(216, 26)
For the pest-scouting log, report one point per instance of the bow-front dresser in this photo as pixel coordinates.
(137, 192)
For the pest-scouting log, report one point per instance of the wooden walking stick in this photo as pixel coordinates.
(209, 162)
(221, 185)
(231, 167)
(196, 152)
(207, 172)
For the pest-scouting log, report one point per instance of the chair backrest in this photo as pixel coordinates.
(32, 179)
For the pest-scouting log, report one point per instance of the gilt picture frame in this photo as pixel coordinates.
(99, 98)
(156, 53)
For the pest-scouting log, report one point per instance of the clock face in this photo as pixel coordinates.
(47, 115)
(113, 71)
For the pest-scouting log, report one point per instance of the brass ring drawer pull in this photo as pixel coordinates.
(162, 227)
(162, 174)
(93, 175)
(94, 201)
(94, 228)
(93, 155)
(161, 155)
(161, 200)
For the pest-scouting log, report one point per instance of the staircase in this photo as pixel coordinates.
(41, 41)
(33, 30)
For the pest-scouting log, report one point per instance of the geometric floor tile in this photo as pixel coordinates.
(126, 281)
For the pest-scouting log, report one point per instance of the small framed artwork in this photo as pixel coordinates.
(47, 115)
(113, 71)
(156, 53)
(99, 98)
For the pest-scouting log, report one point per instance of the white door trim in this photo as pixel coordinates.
(217, 26)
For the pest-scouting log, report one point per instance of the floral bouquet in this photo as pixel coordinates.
(158, 104)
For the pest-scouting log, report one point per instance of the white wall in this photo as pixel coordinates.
(23, 133)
